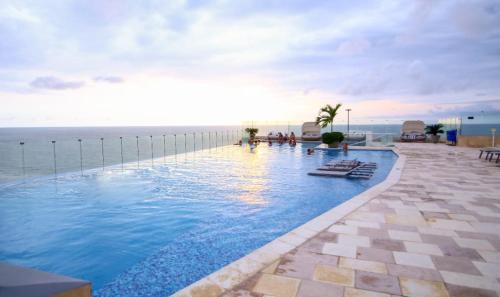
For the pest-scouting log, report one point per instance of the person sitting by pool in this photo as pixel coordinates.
(310, 151)
(280, 138)
(285, 138)
(293, 139)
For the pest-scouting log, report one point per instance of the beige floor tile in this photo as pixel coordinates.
(364, 224)
(271, 268)
(278, 286)
(336, 249)
(423, 248)
(404, 235)
(472, 281)
(364, 265)
(352, 292)
(334, 275)
(488, 269)
(451, 225)
(437, 231)
(405, 220)
(488, 256)
(354, 240)
(367, 216)
(478, 244)
(344, 229)
(412, 259)
(419, 288)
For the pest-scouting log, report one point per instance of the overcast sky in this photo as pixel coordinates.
(223, 62)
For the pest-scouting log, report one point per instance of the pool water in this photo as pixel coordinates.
(150, 231)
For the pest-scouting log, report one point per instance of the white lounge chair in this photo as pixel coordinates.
(311, 131)
(413, 131)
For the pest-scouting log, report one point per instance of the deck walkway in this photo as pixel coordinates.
(434, 233)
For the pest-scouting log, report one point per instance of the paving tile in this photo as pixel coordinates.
(456, 264)
(297, 268)
(277, 286)
(315, 289)
(416, 287)
(460, 291)
(364, 224)
(414, 272)
(364, 265)
(450, 225)
(388, 244)
(336, 249)
(404, 235)
(373, 233)
(463, 217)
(478, 244)
(367, 216)
(354, 240)
(344, 229)
(493, 257)
(437, 231)
(374, 254)
(488, 269)
(396, 219)
(438, 240)
(353, 292)
(377, 282)
(423, 248)
(471, 281)
(413, 259)
(334, 275)
(271, 268)
(456, 251)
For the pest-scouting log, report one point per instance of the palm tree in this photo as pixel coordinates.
(326, 116)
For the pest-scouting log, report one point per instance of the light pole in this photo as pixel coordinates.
(348, 111)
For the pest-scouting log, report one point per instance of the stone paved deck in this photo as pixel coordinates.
(434, 233)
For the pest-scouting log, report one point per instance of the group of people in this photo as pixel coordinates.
(292, 140)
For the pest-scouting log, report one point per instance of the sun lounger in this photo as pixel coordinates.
(490, 151)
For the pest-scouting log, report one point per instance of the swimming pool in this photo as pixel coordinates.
(151, 231)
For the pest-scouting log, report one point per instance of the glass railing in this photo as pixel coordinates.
(35, 157)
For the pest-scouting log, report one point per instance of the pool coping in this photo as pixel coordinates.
(231, 275)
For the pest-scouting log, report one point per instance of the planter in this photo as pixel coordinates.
(334, 144)
(435, 138)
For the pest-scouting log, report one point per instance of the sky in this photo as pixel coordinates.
(107, 63)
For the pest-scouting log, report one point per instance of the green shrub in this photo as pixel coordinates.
(332, 137)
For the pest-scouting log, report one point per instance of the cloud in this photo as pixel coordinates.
(477, 18)
(353, 47)
(54, 83)
(109, 79)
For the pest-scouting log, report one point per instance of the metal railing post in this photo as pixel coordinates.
(164, 149)
(121, 150)
(102, 152)
(81, 155)
(137, 144)
(152, 154)
(185, 143)
(54, 153)
(175, 144)
(22, 158)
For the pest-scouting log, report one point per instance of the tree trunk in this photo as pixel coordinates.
(331, 127)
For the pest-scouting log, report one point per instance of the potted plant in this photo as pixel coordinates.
(434, 130)
(333, 139)
(326, 116)
(252, 132)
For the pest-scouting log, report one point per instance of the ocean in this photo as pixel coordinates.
(30, 152)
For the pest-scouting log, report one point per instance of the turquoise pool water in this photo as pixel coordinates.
(150, 231)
